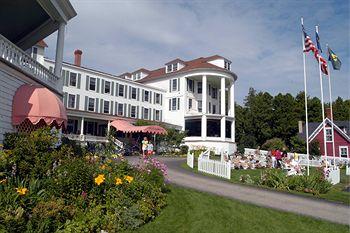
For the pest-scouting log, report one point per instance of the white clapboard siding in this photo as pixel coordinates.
(190, 159)
(8, 87)
(213, 167)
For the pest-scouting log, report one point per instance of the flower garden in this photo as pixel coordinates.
(52, 186)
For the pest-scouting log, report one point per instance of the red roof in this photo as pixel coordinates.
(41, 43)
(127, 127)
(201, 62)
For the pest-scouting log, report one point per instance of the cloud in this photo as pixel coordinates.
(262, 38)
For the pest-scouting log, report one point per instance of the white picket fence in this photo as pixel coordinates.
(348, 170)
(190, 159)
(214, 167)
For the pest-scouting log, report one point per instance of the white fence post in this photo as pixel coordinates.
(190, 159)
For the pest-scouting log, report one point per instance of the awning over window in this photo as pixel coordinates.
(36, 103)
(127, 127)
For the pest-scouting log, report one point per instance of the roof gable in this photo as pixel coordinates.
(320, 127)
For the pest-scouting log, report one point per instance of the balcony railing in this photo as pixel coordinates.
(22, 61)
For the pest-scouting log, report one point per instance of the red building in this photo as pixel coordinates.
(341, 136)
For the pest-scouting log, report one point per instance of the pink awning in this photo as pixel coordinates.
(35, 103)
(127, 127)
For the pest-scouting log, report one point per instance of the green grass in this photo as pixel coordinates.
(336, 194)
(191, 211)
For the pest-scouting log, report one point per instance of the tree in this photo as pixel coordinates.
(297, 145)
(274, 144)
(341, 109)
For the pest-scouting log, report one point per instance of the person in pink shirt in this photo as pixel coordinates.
(278, 155)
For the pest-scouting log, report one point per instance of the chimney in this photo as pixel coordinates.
(77, 57)
(300, 126)
(328, 113)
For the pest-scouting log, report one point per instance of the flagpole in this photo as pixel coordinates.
(331, 108)
(306, 115)
(322, 102)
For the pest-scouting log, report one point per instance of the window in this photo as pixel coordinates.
(72, 79)
(209, 87)
(120, 111)
(189, 104)
(169, 68)
(121, 90)
(91, 106)
(145, 113)
(343, 151)
(329, 137)
(107, 87)
(199, 106)
(174, 85)
(175, 67)
(190, 85)
(133, 111)
(214, 109)
(133, 93)
(106, 107)
(215, 93)
(157, 98)
(199, 87)
(71, 101)
(227, 65)
(92, 84)
(174, 104)
(146, 96)
(209, 107)
(157, 115)
(35, 52)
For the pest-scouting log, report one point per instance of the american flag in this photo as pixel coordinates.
(310, 46)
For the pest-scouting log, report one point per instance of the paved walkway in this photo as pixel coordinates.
(313, 207)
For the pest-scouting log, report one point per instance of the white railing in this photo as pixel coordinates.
(21, 60)
(347, 170)
(190, 159)
(117, 143)
(213, 167)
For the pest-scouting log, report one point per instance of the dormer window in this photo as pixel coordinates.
(227, 65)
(171, 67)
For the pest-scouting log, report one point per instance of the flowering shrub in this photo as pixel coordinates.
(48, 189)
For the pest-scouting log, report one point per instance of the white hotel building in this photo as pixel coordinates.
(196, 96)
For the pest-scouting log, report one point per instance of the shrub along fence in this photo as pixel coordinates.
(213, 167)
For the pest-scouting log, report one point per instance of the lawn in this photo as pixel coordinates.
(192, 211)
(336, 194)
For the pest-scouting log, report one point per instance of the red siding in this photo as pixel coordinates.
(339, 140)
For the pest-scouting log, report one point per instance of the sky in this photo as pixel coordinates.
(262, 38)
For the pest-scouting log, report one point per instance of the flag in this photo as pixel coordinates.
(318, 42)
(336, 63)
(310, 46)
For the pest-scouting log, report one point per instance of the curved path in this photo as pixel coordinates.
(309, 206)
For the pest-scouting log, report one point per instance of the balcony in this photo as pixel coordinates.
(18, 59)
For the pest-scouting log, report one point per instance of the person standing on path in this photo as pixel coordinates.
(144, 146)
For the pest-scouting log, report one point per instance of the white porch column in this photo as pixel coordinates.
(59, 52)
(204, 107)
(108, 127)
(232, 111)
(223, 109)
(82, 126)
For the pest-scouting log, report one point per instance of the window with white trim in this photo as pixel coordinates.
(190, 85)
(146, 114)
(133, 112)
(146, 96)
(72, 79)
(209, 107)
(214, 93)
(92, 84)
(227, 65)
(157, 115)
(343, 151)
(133, 93)
(106, 107)
(174, 104)
(199, 105)
(214, 109)
(71, 101)
(35, 53)
(120, 110)
(121, 90)
(329, 137)
(91, 104)
(171, 67)
(174, 85)
(190, 105)
(199, 87)
(157, 98)
(107, 87)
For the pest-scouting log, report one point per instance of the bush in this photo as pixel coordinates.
(44, 188)
(315, 148)
(274, 144)
(184, 149)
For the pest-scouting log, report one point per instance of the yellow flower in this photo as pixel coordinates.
(100, 179)
(129, 178)
(22, 191)
(103, 167)
(118, 181)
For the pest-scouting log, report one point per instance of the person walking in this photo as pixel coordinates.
(144, 146)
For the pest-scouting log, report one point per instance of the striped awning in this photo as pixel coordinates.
(126, 127)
